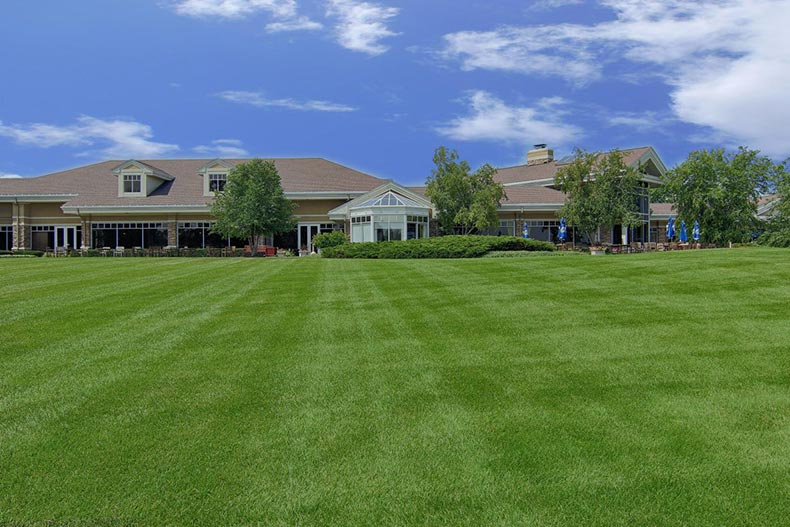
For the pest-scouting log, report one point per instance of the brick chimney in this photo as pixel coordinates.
(539, 155)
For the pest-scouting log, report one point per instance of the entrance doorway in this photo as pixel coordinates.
(306, 233)
(68, 237)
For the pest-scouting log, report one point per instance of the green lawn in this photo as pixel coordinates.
(621, 390)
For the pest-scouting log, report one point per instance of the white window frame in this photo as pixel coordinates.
(217, 177)
(132, 179)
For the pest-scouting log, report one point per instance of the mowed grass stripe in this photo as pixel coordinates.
(645, 389)
(148, 330)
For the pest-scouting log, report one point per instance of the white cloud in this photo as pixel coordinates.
(648, 121)
(553, 4)
(491, 119)
(228, 148)
(111, 138)
(284, 12)
(6, 175)
(538, 50)
(300, 23)
(362, 25)
(725, 61)
(259, 100)
(235, 8)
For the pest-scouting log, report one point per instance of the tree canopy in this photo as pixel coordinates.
(601, 190)
(464, 200)
(252, 204)
(777, 229)
(720, 189)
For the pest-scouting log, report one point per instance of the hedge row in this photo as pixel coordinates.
(441, 247)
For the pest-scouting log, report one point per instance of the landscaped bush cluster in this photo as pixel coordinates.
(441, 247)
(330, 239)
(777, 238)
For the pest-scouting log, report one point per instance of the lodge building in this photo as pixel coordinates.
(167, 202)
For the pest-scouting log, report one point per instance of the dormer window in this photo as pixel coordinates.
(216, 182)
(132, 183)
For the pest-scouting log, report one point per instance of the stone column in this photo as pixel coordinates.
(20, 229)
(172, 231)
(87, 234)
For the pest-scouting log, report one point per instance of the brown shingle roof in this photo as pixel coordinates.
(97, 186)
(522, 195)
(663, 208)
(521, 173)
(533, 195)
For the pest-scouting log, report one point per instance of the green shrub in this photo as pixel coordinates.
(4, 252)
(777, 238)
(27, 252)
(441, 247)
(329, 239)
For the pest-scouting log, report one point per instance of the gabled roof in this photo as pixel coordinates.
(146, 168)
(544, 173)
(388, 199)
(96, 185)
(406, 196)
(213, 164)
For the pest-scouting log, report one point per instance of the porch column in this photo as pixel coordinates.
(86, 233)
(19, 226)
(172, 231)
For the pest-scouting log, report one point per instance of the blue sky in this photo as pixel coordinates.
(379, 85)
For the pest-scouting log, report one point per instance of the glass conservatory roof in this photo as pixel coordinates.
(389, 199)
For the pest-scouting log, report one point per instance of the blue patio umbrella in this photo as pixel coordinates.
(563, 233)
(683, 237)
(526, 230)
(695, 232)
(670, 228)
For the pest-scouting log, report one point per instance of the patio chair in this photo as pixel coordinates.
(247, 250)
(261, 250)
(119, 251)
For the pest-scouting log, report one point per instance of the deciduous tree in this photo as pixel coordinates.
(720, 189)
(601, 190)
(252, 204)
(464, 200)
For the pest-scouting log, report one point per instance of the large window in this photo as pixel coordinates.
(546, 230)
(416, 227)
(360, 229)
(216, 182)
(132, 183)
(43, 237)
(505, 228)
(129, 235)
(388, 227)
(6, 237)
(198, 235)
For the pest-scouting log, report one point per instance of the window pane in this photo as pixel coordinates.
(192, 238)
(129, 238)
(155, 237)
